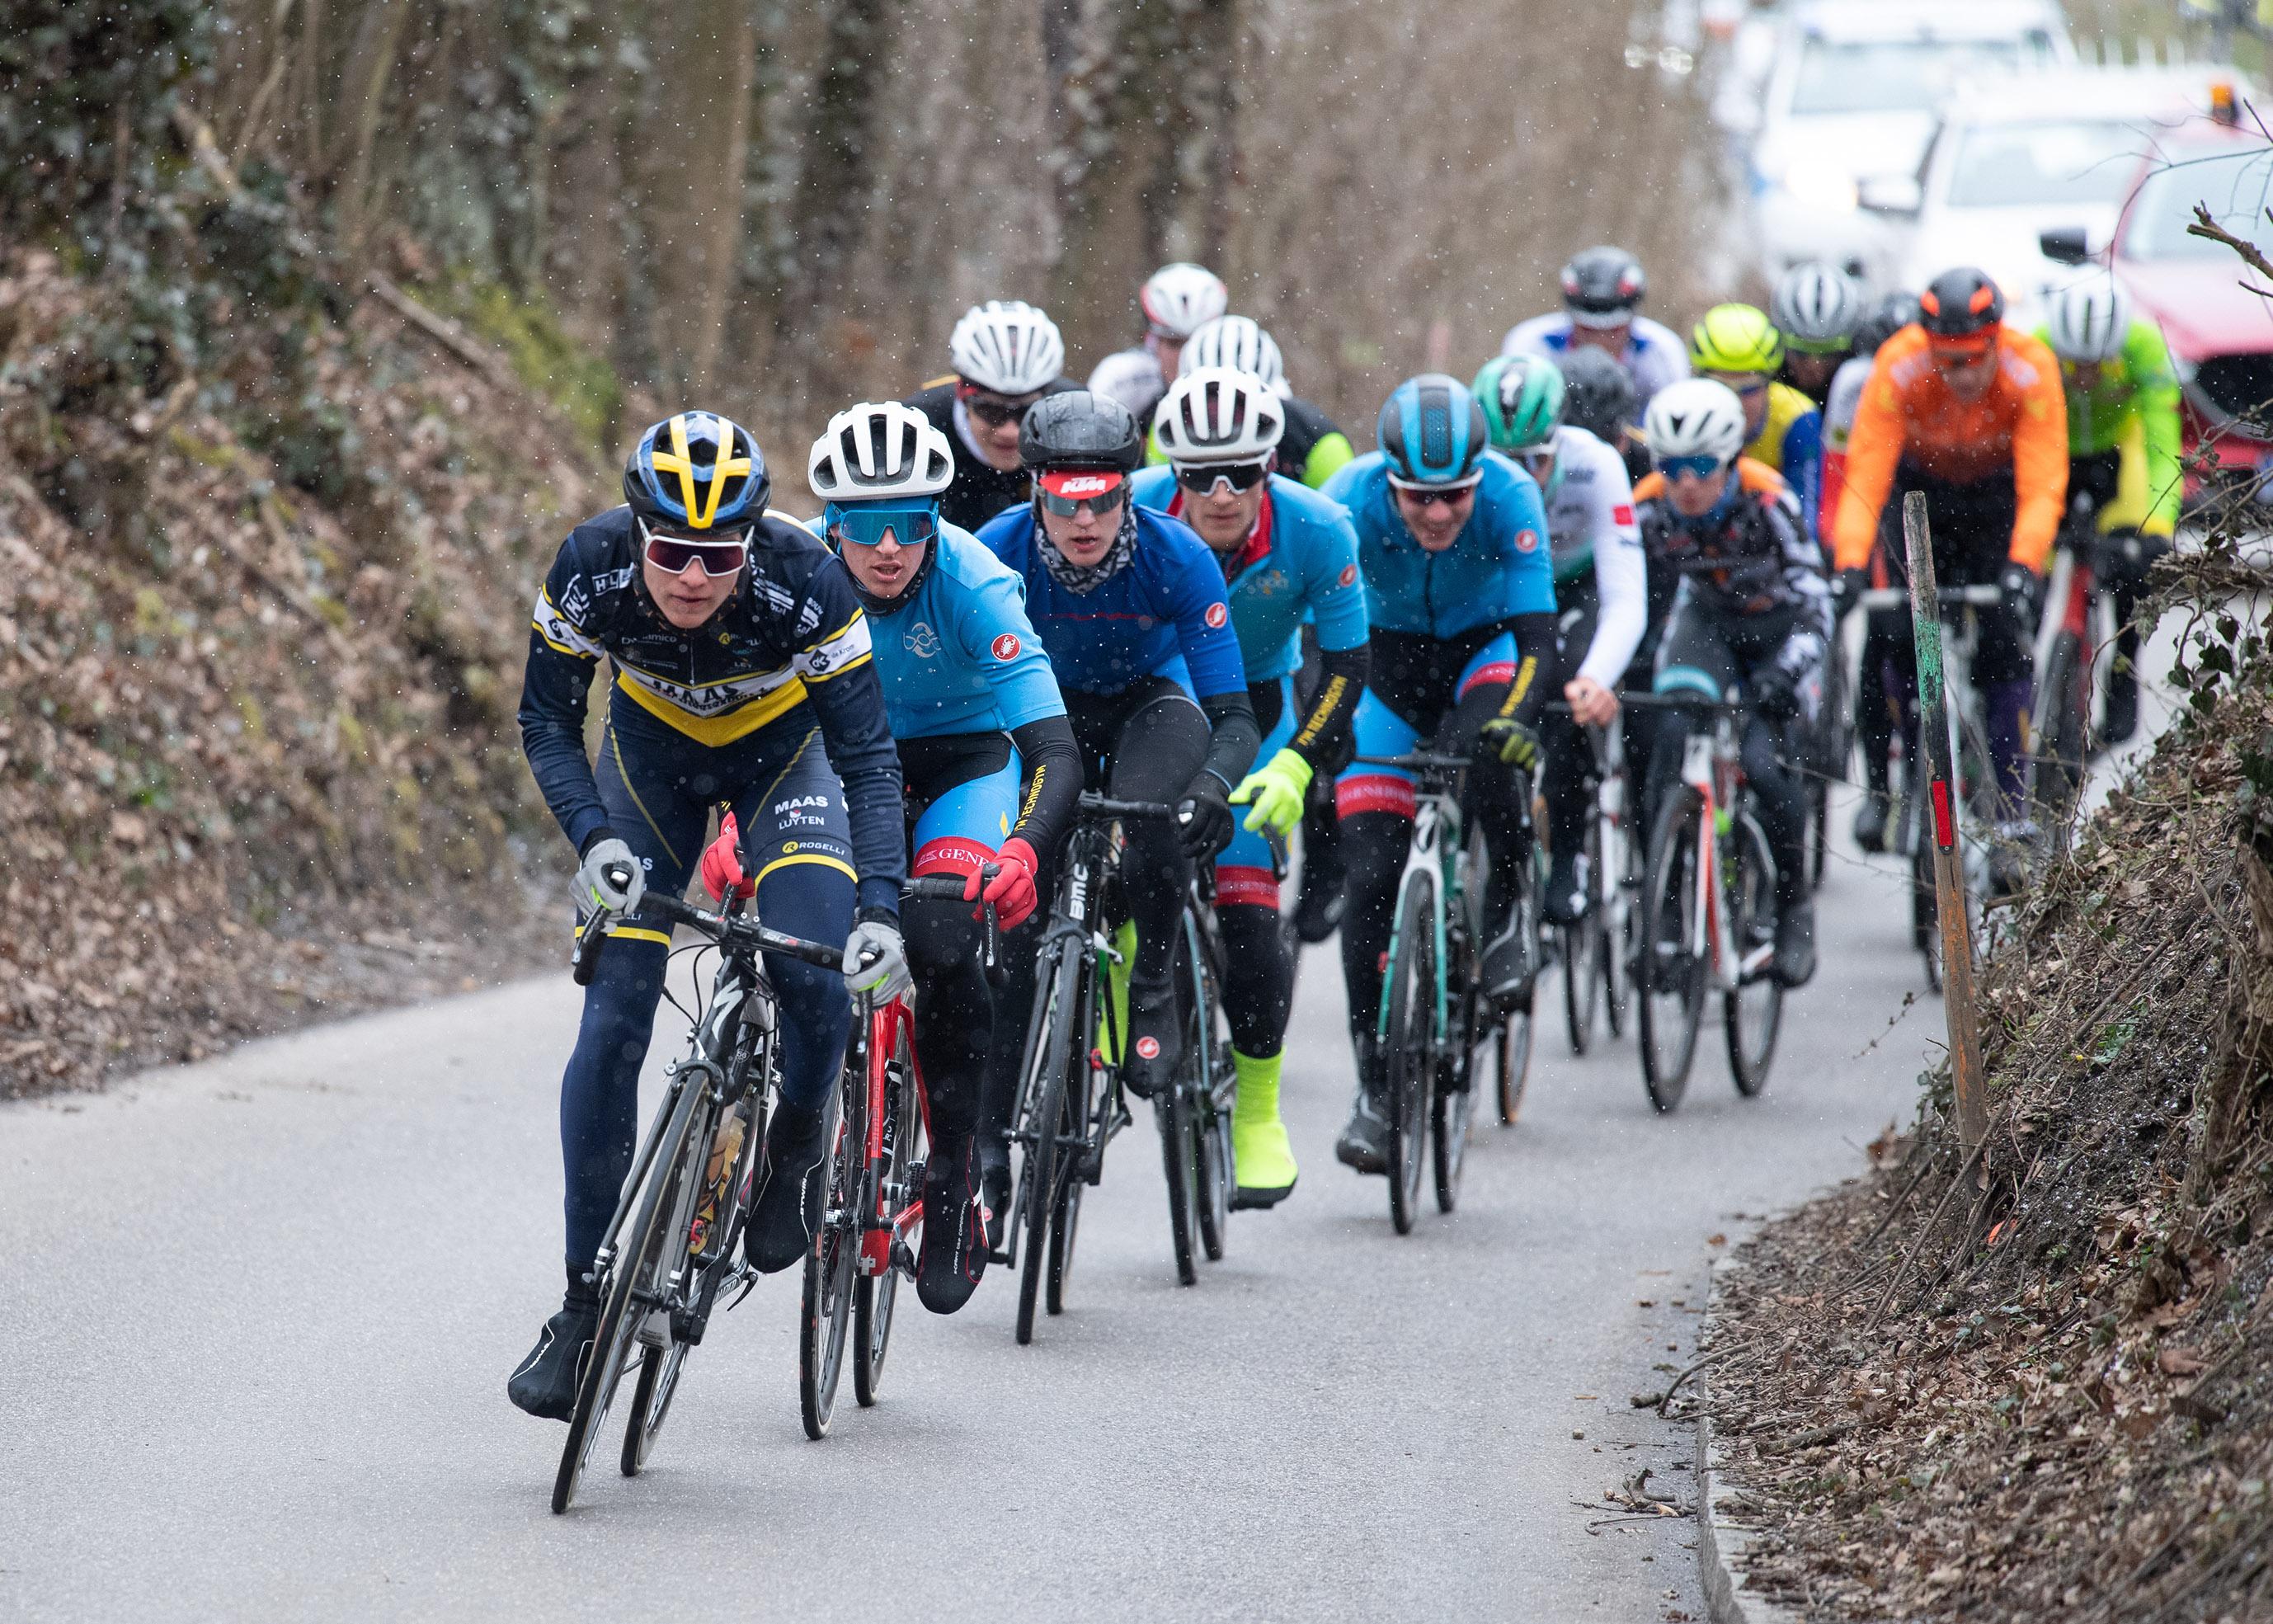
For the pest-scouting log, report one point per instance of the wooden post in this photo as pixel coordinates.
(1948, 861)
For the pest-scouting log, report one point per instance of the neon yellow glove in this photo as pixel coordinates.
(1276, 788)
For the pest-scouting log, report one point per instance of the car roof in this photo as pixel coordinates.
(1909, 19)
(2167, 96)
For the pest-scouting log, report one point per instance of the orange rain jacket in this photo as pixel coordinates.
(1909, 413)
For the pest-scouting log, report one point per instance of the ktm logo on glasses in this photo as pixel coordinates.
(1087, 485)
(1007, 646)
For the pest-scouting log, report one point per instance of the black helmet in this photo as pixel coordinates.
(1598, 394)
(1075, 428)
(1889, 316)
(1960, 303)
(1602, 286)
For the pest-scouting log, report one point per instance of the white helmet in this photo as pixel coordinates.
(1008, 346)
(1181, 299)
(879, 450)
(2088, 320)
(1240, 343)
(1131, 376)
(1816, 307)
(1216, 415)
(1695, 417)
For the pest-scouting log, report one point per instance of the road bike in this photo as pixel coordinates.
(1433, 1013)
(2060, 740)
(1709, 914)
(1071, 1102)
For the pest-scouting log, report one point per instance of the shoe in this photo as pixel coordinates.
(1364, 1143)
(1507, 966)
(1871, 820)
(1261, 1157)
(786, 1214)
(545, 1383)
(1318, 907)
(994, 1191)
(1795, 945)
(2012, 855)
(1155, 1042)
(1563, 902)
(954, 1253)
(2122, 721)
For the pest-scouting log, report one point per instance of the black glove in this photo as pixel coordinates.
(1847, 592)
(1775, 696)
(1514, 742)
(1206, 812)
(2024, 590)
(2125, 557)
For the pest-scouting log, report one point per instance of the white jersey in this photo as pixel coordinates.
(1844, 400)
(1653, 357)
(1590, 521)
(1133, 378)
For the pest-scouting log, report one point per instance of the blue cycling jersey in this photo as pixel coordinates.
(961, 656)
(1164, 613)
(1301, 564)
(1498, 566)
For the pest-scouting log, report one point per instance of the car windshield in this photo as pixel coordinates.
(2065, 161)
(2235, 184)
(1895, 75)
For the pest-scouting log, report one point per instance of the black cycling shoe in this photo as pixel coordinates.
(1508, 969)
(1871, 820)
(2122, 721)
(954, 1233)
(786, 1214)
(545, 1383)
(1318, 908)
(1563, 902)
(1795, 945)
(994, 1189)
(1364, 1143)
(1155, 1044)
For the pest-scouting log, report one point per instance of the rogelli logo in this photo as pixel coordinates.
(1007, 647)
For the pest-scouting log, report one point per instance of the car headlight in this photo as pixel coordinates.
(1820, 185)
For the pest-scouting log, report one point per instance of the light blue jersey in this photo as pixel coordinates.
(1498, 566)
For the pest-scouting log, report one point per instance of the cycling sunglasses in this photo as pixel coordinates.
(1201, 478)
(1964, 352)
(994, 410)
(675, 555)
(1434, 495)
(1696, 466)
(866, 524)
(1100, 493)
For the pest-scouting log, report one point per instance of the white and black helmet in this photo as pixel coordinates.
(1240, 343)
(1695, 417)
(1816, 307)
(1215, 414)
(2088, 321)
(1008, 346)
(1179, 299)
(877, 451)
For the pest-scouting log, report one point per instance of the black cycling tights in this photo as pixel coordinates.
(1259, 975)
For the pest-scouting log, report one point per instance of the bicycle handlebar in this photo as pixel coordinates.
(1417, 760)
(1105, 806)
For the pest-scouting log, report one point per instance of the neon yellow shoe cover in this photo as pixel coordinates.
(1262, 1158)
(1116, 989)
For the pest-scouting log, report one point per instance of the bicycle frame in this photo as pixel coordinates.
(891, 1212)
(1433, 848)
(1712, 766)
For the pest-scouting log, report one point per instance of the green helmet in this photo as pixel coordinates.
(1522, 398)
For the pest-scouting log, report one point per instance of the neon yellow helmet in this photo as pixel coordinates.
(1735, 338)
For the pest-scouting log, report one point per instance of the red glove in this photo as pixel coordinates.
(1011, 890)
(722, 863)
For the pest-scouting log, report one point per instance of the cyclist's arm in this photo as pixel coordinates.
(1872, 450)
(999, 639)
(555, 694)
(1335, 592)
(2040, 466)
(1810, 636)
(1530, 590)
(848, 697)
(1621, 577)
(1326, 459)
(2156, 403)
(1049, 762)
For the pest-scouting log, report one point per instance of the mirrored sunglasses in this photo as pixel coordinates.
(1102, 503)
(675, 555)
(1434, 495)
(1695, 467)
(866, 527)
(1201, 478)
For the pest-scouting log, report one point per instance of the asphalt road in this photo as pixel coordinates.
(257, 1314)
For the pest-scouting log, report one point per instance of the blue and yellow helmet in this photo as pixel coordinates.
(697, 471)
(1432, 432)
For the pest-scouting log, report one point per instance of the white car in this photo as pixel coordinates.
(1853, 93)
(2020, 156)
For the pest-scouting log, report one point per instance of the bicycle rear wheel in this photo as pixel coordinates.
(1046, 1124)
(1409, 1045)
(1669, 975)
(830, 1267)
(1754, 1013)
(1453, 1109)
(897, 1183)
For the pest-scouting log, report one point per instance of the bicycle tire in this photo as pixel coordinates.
(660, 1367)
(1582, 959)
(1667, 1031)
(1201, 1073)
(2063, 743)
(1039, 1172)
(1623, 898)
(1408, 1046)
(1065, 1231)
(825, 1300)
(1818, 842)
(617, 1329)
(877, 1295)
(1452, 1111)
(1091, 1106)
(1752, 1015)
(1926, 908)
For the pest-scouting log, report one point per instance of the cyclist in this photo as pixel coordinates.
(1177, 300)
(1737, 345)
(1286, 553)
(1007, 356)
(1603, 291)
(1601, 594)
(1970, 413)
(1460, 596)
(743, 675)
(1599, 397)
(1751, 611)
(991, 773)
(1131, 608)
(1816, 306)
(2123, 450)
(1313, 448)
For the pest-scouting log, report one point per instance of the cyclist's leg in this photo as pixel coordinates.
(1497, 801)
(1566, 776)
(1972, 531)
(2119, 480)
(1317, 908)
(1258, 986)
(1376, 807)
(1159, 748)
(1778, 790)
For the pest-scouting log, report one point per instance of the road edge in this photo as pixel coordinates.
(1721, 1539)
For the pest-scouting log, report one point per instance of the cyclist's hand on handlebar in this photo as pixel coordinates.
(2024, 590)
(722, 863)
(1515, 742)
(1273, 793)
(877, 961)
(1848, 591)
(1592, 705)
(1011, 889)
(610, 877)
(1206, 814)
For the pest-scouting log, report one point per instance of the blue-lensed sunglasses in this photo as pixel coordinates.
(867, 523)
(1695, 467)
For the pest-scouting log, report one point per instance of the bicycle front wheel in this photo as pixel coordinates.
(1582, 955)
(831, 1266)
(895, 1186)
(1203, 1076)
(1754, 1013)
(1669, 975)
(1045, 1125)
(1409, 1046)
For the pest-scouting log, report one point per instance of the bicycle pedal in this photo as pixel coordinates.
(655, 1332)
(903, 1257)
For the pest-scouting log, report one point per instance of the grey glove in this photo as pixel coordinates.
(876, 961)
(597, 889)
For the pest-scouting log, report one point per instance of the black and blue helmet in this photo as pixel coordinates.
(1432, 432)
(697, 471)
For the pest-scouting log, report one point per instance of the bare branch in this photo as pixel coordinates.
(2204, 226)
